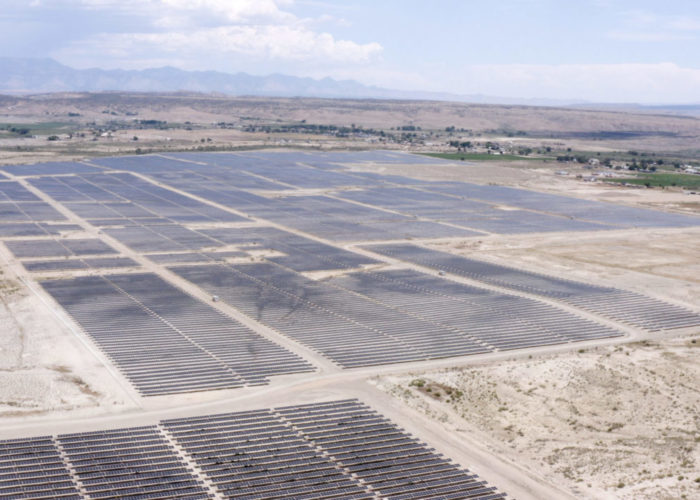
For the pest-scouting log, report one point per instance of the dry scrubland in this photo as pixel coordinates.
(43, 368)
(659, 262)
(612, 422)
(590, 130)
(368, 113)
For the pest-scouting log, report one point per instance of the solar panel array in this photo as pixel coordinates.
(496, 320)
(78, 264)
(229, 179)
(123, 195)
(302, 254)
(135, 462)
(389, 462)
(211, 240)
(608, 214)
(349, 329)
(59, 247)
(50, 168)
(28, 211)
(26, 229)
(418, 317)
(620, 305)
(338, 449)
(34, 469)
(323, 216)
(165, 341)
(233, 179)
(481, 215)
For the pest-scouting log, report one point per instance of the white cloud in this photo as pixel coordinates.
(271, 42)
(199, 31)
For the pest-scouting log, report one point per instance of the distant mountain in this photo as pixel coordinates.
(46, 75)
(34, 75)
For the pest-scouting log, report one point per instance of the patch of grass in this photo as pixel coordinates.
(417, 382)
(689, 181)
(481, 157)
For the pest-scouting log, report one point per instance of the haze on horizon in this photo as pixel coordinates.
(594, 50)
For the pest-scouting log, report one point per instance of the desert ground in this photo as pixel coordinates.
(607, 422)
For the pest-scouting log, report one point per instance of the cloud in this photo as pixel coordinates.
(195, 32)
(271, 42)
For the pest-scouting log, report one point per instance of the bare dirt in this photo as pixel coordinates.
(663, 263)
(44, 368)
(612, 422)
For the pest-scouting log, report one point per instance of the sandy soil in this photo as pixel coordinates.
(659, 262)
(613, 422)
(44, 368)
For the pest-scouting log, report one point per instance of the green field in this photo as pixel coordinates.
(43, 128)
(482, 157)
(689, 181)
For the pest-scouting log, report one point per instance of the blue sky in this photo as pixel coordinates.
(596, 50)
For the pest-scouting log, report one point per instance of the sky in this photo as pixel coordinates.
(643, 51)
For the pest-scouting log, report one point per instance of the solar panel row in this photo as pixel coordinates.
(50, 168)
(422, 318)
(105, 196)
(75, 264)
(496, 320)
(620, 305)
(303, 254)
(480, 215)
(58, 247)
(165, 341)
(28, 211)
(129, 463)
(322, 216)
(338, 449)
(466, 204)
(33, 468)
(25, 229)
(14, 191)
(595, 212)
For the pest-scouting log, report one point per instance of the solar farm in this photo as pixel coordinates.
(241, 301)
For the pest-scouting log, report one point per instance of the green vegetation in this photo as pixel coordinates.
(482, 157)
(689, 181)
(42, 128)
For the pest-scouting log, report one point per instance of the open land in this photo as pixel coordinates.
(547, 343)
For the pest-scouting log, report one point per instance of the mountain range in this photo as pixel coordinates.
(45, 75)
